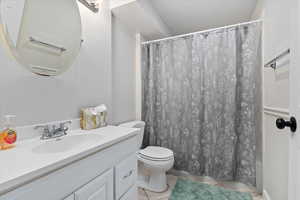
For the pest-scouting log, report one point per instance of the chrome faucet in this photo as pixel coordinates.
(54, 132)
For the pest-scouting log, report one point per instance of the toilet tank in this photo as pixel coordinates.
(136, 124)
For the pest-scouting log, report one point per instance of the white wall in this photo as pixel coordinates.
(116, 3)
(276, 94)
(138, 76)
(123, 48)
(258, 11)
(37, 99)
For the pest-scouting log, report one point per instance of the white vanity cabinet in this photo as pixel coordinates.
(131, 194)
(71, 197)
(100, 188)
(109, 173)
(125, 175)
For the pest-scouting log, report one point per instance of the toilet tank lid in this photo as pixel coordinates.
(133, 124)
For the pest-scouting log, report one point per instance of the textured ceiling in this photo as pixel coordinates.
(184, 16)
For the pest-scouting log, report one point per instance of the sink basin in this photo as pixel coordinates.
(66, 143)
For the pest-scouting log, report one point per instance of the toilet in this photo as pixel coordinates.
(154, 162)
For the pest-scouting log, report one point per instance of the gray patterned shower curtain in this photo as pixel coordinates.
(202, 98)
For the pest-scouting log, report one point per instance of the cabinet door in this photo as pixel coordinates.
(71, 197)
(101, 188)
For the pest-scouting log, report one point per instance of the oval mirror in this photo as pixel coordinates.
(42, 35)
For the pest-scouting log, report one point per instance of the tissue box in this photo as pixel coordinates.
(92, 118)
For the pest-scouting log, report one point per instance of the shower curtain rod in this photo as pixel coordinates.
(204, 31)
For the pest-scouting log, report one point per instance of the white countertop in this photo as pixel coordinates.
(21, 165)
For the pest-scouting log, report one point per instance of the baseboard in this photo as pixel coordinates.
(266, 195)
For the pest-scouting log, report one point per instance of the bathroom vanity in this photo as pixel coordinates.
(84, 165)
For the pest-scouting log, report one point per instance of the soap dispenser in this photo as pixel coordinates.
(9, 135)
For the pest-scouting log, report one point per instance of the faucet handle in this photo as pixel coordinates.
(63, 125)
(45, 128)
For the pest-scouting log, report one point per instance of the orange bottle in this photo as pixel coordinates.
(9, 135)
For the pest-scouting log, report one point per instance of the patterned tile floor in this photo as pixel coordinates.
(147, 195)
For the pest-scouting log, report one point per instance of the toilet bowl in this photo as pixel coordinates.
(154, 162)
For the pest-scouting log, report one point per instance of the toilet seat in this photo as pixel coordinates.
(156, 154)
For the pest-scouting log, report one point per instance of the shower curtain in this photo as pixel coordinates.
(202, 98)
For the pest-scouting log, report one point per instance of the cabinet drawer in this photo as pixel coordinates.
(131, 194)
(126, 175)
